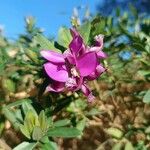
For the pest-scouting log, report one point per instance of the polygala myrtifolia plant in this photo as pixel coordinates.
(70, 64)
(47, 81)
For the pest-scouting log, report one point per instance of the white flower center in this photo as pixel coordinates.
(74, 72)
(70, 83)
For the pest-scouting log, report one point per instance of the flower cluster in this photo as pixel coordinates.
(78, 64)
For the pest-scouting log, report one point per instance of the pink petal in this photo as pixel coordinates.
(53, 56)
(94, 49)
(86, 91)
(99, 40)
(74, 32)
(76, 44)
(56, 72)
(56, 87)
(101, 54)
(99, 70)
(86, 64)
(67, 54)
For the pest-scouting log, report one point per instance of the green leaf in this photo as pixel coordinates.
(138, 46)
(98, 26)
(26, 106)
(84, 30)
(93, 111)
(2, 127)
(8, 85)
(43, 121)
(31, 120)
(63, 132)
(25, 146)
(45, 43)
(144, 72)
(81, 124)
(146, 98)
(37, 133)
(61, 123)
(19, 102)
(25, 131)
(114, 132)
(110, 21)
(117, 146)
(129, 146)
(49, 146)
(10, 115)
(64, 37)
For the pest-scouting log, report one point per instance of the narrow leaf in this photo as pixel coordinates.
(44, 42)
(84, 30)
(64, 37)
(63, 122)
(37, 133)
(63, 132)
(25, 146)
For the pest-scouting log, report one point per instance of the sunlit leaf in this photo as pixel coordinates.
(64, 37)
(45, 43)
(129, 146)
(25, 146)
(37, 133)
(84, 30)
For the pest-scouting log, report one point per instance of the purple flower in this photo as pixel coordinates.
(78, 64)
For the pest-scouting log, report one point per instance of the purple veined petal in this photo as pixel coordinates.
(53, 56)
(56, 87)
(74, 32)
(83, 50)
(101, 54)
(67, 54)
(86, 91)
(76, 45)
(99, 70)
(99, 40)
(56, 72)
(86, 64)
